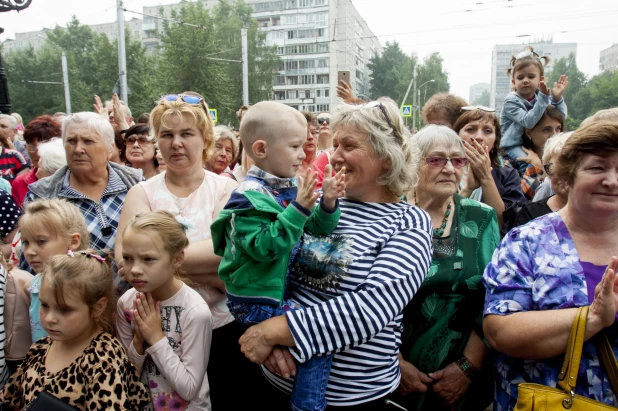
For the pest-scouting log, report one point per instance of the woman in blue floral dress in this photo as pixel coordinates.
(542, 270)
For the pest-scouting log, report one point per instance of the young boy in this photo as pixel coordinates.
(258, 231)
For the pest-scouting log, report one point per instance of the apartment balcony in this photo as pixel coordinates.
(149, 26)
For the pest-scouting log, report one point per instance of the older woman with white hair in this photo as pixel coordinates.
(52, 157)
(355, 283)
(223, 153)
(442, 353)
(89, 180)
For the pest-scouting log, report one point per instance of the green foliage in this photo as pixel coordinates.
(93, 69)
(392, 72)
(187, 58)
(183, 64)
(584, 97)
(483, 100)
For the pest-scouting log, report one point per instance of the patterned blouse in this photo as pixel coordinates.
(102, 378)
(536, 267)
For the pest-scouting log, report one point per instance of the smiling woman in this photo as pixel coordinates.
(543, 270)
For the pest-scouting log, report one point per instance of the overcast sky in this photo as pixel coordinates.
(463, 31)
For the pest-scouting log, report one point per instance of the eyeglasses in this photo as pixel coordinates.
(184, 97)
(140, 140)
(482, 108)
(323, 120)
(548, 168)
(440, 162)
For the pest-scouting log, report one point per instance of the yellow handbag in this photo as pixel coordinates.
(537, 397)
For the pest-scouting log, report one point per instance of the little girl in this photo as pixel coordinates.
(80, 362)
(48, 228)
(165, 325)
(524, 107)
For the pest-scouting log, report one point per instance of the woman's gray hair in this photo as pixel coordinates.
(52, 155)
(433, 135)
(392, 145)
(11, 119)
(553, 146)
(95, 122)
(224, 133)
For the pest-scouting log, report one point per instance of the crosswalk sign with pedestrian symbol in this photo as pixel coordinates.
(406, 111)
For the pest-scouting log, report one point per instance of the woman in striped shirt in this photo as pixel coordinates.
(354, 283)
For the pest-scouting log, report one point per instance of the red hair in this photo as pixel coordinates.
(42, 128)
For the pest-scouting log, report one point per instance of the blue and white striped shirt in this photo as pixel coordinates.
(354, 285)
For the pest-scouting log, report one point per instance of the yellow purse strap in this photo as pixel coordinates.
(567, 379)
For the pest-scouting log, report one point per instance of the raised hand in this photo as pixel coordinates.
(119, 119)
(306, 195)
(345, 92)
(605, 304)
(333, 186)
(559, 87)
(98, 106)
(480, 163)
(147, 316)
(543, 87)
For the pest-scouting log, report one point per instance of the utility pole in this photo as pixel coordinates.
(414, 101)
(245, 67)
(122, 57)
(65, 78)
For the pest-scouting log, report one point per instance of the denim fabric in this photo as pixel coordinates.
(512, 154)
(311, 376)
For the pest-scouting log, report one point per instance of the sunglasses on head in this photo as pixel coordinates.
(482, 108)
(440, 162)
(378, 104)
(323, 120)
(184, 97)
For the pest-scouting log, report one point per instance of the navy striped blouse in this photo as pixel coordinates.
(354, 285)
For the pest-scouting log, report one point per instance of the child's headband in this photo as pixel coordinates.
(87, 255)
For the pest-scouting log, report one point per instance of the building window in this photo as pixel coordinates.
(323, 108)
(292, 80)
(291, 94)
(323, 79)
(326, 92)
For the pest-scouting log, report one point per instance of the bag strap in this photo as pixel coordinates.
(608, 360)
(567, 379)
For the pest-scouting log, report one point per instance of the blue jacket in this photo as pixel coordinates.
(519, 114)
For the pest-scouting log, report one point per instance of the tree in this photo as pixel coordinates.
(431, 69)
(483, 99)
(577, 81)
(392, 71)
(93, 69)
(188, 58)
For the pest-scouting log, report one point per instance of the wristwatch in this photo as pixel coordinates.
(468, 368)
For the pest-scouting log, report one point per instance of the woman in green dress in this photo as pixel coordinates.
(443, 353)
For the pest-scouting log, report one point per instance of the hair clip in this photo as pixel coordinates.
(95, 256)
(185, 223)
(527, 53)
(70, 253)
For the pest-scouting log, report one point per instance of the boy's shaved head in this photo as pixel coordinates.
(268, 121)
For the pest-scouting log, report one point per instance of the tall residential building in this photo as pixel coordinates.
(609, 59)
(501, 57)
(316, 39)
(477, 90)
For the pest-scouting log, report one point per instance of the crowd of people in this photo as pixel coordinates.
(335, 261)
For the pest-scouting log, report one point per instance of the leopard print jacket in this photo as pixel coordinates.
(102, 378)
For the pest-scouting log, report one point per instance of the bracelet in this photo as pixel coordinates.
(467, 368)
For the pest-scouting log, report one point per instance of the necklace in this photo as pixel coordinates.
(437, 232)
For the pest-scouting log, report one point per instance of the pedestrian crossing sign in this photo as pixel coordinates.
(406, 111)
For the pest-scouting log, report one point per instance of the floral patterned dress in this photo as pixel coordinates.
(537, 268)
